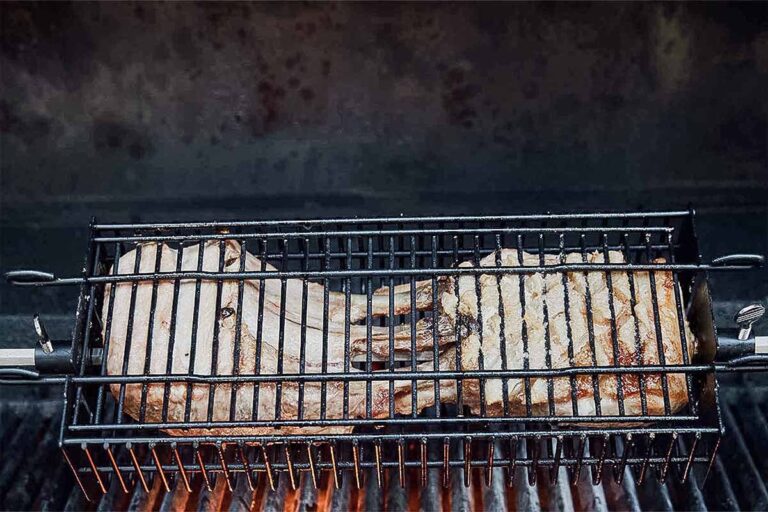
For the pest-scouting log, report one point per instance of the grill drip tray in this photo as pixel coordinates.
(34, 476)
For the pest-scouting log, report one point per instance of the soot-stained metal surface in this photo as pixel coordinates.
(177, 110)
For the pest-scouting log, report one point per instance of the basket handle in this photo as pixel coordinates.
(746, 260)
(29, 278)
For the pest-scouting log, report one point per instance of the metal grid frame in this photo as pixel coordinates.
(360, 254)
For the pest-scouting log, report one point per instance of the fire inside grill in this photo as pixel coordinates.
(166, 385)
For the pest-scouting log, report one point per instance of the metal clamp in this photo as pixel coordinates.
(746, 317)
(42, 334)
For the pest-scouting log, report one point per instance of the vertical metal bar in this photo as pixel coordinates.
(215, 342)
(159, 467)
(391, 325)
(369, 333)
(568, 331)
(150, 333)
(377, 455)
(281, 336)
(414, 386)
(657, 325)
(289, 465)
(312, 469)
(136, 465)
(489, 464)
(478, 294)
(648, 451)
(259, 332)
(193, 340)
(554, 473)
(547, 334)
(303, 340)
(238, 335)
(92, 269)
(247, 467)
(356, 460)
(614, 332)
(423, 462)
(691, 455)
(532, 472)
(334, 469)
(118, 473)
(712, 459)
(94, 469)
(76, 474)
(590, 326)
(347, 316)
(413, 312)
(512, 467)
(435, 342)
(128, 337)
(597, 476)
(639, 357)
(224, 467)
(458, 333)
(172, 335)
(668, 457)
(203, 471)
(681, 326)
(579, 459)
(446, 465)
(107, 336)
(467, 461)
(524, 327)
(80, 334)
(180, 465)
(627, 445)
(326, 300)
(268, 467)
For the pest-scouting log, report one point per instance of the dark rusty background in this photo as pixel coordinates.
(144, 111)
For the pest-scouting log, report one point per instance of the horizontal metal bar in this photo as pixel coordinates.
(449, 252)
(360, 437)
(385, 376)
(33, 381)
(466, 420)
(382, 232)
(726, 367)
(392, 220)
(328, 274)
(238, 467)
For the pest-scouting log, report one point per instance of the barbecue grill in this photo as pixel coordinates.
(104, 447)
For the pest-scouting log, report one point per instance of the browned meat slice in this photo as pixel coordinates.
(337, 314)
(517, 307)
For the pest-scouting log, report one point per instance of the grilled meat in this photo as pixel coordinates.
(208, 333)
(511, 321)
(564, 320)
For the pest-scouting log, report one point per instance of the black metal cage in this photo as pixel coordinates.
(349, 257)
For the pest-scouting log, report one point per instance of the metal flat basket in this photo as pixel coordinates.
(358, 256)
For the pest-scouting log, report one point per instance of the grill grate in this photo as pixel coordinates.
(51, 484)
(348, 260)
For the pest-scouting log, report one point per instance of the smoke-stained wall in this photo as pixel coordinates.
(181, 110)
